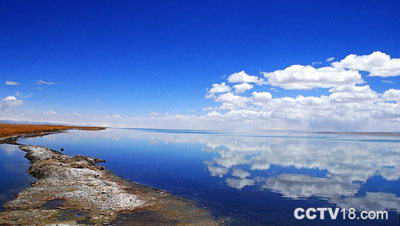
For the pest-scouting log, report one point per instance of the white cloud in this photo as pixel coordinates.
(307, 77)
(231, 100)
(330, 59)
(347, 104)
(347, 107)
(377, 64)
(43, 82)
(350, 104)
(11, 83)
(350, 89)
(392, 95)
(10, 101)
(218, 88)
(261, 97)
(243, 77)
(353, 94)
(243, 87)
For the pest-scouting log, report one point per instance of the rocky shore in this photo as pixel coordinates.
(75, 190)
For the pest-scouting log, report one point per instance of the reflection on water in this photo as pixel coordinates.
(252, 179)
(347, 166)
(13, 172)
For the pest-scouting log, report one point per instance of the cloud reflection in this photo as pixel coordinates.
(345, 162)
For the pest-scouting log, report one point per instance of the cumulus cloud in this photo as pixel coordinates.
(307, 77)
(243, 77)
(11, 83)
(348, 103)
(392, 95)
(347, 107)
(261, 98)
(219, 88)
(353, 94)
(377, 64)
(344, 102)
(243, 87)
(231, 101)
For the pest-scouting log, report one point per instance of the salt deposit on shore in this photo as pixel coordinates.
(75, 190)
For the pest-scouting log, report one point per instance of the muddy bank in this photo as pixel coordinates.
(75, 190)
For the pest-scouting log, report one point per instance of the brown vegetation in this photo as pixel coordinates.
(7, 130)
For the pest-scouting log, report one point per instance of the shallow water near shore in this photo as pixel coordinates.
(247, 179)
(13, 172)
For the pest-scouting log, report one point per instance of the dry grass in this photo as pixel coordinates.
(7, 130)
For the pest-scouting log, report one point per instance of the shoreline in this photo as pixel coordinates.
(12, 131)
(76, 190)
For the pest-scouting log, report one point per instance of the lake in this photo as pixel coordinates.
(256, 178)
(13, 172)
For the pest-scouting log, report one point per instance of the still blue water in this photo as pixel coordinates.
(250, 179)
(13, 172)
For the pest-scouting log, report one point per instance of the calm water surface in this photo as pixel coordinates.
(248, 179)
(13, 172)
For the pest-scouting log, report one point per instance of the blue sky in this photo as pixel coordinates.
(135, 57)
